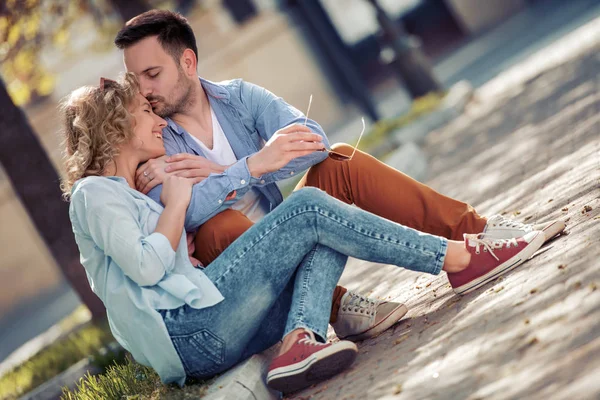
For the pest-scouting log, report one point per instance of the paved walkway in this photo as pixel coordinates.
(530, 151)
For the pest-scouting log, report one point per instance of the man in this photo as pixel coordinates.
(218, 132)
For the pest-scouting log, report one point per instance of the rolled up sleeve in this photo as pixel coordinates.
(272, 113)
(115, 229)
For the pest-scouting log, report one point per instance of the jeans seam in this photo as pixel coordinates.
(302, 303)
(397, 242)
(440, 257)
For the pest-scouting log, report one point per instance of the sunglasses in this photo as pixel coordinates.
(334, 155)
(106, 83)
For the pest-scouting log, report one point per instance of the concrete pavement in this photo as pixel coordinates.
(529, 149)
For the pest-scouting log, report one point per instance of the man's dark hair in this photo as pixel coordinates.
(173, 31)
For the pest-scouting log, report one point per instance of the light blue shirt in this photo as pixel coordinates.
(134, 270)
(249, 116)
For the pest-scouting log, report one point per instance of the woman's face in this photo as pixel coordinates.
(148, 130)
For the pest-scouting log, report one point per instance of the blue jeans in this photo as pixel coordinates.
(280, 275)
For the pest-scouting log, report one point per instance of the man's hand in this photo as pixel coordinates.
(192, 166)
(191, 249)
(155, 171)
(286, 144)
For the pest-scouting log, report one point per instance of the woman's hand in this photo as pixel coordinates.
(177, 191)
(151, 174)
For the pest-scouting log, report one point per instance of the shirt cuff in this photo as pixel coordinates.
(162, 248)
(239, 175)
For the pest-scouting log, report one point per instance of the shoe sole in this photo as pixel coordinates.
(506, 266)
(382, 326)
(553, 229)
(319, 367)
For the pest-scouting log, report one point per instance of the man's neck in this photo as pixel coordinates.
(197, 118)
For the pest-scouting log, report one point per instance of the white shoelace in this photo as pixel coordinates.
(490, 244)
(509, 223)
(310, 340)
(360, 303)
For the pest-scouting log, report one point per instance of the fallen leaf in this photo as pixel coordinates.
(517, 213)
(528, 218)
(526, 322)
(429, 284)
(532, 291)
(577, 285)
(565, 209)
(567, 220)
(550, 201)
(593, 286)
(397, 389)
(562, 266)
(499, 289)
(400, 340)
(587, 209)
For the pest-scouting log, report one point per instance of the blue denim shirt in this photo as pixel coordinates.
(249, 116)
(134, 270)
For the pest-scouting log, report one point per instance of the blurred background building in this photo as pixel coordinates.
(331, 49)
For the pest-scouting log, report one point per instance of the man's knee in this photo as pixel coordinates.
(343, 148)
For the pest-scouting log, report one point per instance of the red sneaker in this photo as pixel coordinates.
(309, 362)
(492, 257)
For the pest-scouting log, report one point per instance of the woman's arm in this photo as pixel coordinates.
(176, 198)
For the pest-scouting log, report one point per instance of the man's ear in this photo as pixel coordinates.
(188, 62)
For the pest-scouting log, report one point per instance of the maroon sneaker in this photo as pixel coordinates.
(309, 362)
(492, 257)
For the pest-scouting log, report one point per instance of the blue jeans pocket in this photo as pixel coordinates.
(202, 353)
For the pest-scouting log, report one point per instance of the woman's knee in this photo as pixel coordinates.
(308, 196)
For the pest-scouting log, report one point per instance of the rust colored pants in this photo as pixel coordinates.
(372, 186)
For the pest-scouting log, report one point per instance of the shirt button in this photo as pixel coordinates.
(292, 173)
(262, 181)
(220, 201)
(243, 182)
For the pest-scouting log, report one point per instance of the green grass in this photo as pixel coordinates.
(56, 358)
(383, 128)
(132, 381)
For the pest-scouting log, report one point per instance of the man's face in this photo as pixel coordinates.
(162, 80)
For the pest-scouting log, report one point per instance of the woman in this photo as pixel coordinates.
(275, 281)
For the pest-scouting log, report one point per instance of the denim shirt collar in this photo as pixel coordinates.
(212, 89)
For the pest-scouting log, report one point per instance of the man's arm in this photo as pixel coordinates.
(214, 194)
(272, 114)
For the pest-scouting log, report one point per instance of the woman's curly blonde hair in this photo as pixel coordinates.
(96, 123)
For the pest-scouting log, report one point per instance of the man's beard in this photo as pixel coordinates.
(185, 101)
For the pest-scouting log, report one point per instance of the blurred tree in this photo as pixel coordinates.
(36, 183)
(25, 27)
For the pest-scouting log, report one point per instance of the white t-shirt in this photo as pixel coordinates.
(222, 153)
